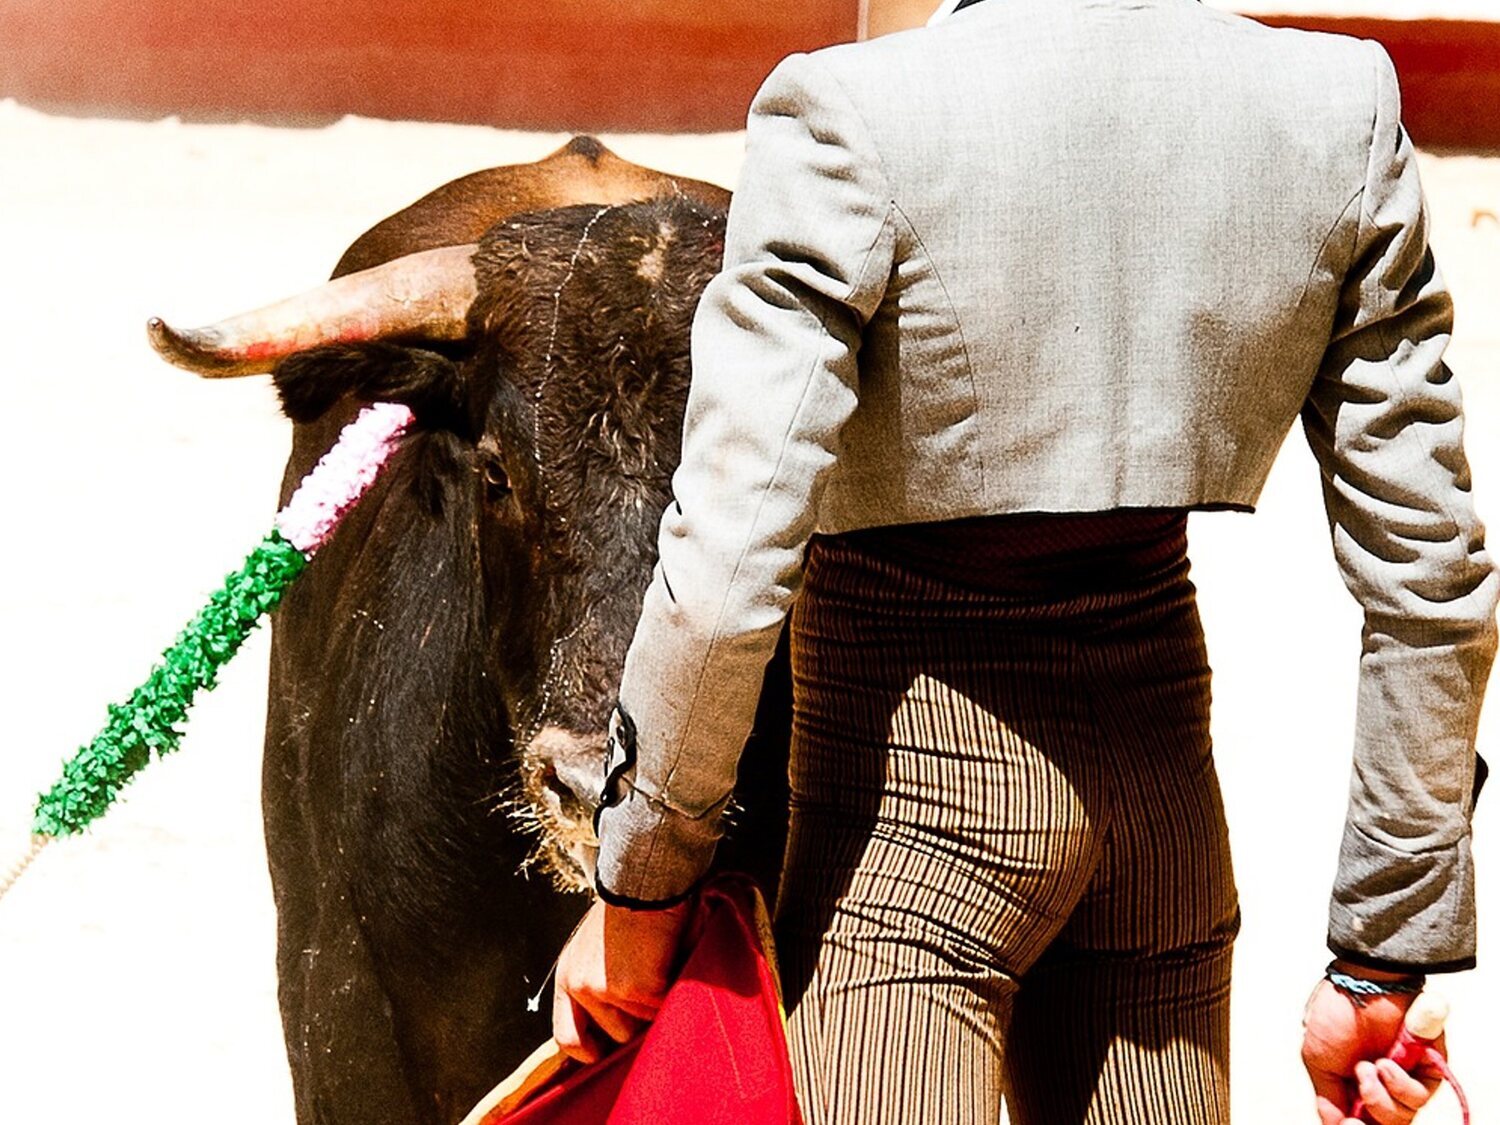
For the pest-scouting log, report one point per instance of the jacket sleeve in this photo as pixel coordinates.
(1385, 422)
(775, 340)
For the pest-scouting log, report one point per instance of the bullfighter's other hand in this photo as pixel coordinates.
(1344, 1047)
(613, 975)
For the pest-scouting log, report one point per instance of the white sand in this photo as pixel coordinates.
(136, 976)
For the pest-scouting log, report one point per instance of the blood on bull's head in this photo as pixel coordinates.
(548, 368)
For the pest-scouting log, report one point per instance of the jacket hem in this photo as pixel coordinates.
(1365, 960)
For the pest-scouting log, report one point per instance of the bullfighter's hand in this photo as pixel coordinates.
(1343, 1048)
(613, 975)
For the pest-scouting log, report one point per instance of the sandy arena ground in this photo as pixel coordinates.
(136, 979)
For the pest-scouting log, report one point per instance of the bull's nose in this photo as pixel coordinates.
(568, 763)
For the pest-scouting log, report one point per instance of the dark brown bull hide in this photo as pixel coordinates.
(460, 638)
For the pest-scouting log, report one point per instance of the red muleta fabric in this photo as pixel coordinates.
(716, 1053)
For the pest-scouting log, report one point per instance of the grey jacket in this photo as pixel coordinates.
(1072, 255)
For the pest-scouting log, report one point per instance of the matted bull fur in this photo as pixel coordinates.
(483, 592)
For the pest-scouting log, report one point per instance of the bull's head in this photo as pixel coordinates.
(552, 359)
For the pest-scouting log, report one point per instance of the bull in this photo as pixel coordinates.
(442, 677)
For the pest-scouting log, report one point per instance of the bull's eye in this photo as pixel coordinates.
(496, 481)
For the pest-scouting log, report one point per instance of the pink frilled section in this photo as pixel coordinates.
(342, 476)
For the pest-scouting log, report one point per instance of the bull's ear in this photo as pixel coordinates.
(310, 382)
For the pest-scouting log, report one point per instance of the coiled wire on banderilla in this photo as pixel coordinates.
(14, 872)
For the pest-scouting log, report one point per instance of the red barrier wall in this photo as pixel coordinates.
(540, 64)
(546, 64)
(1449, 70)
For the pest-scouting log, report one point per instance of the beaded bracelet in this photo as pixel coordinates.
(1359, 989)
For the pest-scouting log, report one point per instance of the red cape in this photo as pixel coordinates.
(715, 1055)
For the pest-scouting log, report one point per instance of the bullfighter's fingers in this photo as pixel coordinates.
(570, 1027)
(1411, 1091)
(1329, 1112)
(1380, 1106)
(641, 1009)
(608, 1017)
(1332, 1096)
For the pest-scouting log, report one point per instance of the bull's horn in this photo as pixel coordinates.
(423, 296)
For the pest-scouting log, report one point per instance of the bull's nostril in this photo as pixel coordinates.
(562, 772)
(551, 781)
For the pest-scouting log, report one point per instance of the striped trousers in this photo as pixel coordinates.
(1008, 871)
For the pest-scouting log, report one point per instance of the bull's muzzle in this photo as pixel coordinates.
(562, 772)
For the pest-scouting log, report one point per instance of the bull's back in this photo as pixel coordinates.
(582, 171)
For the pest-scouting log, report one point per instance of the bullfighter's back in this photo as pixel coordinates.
(1126, 222)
